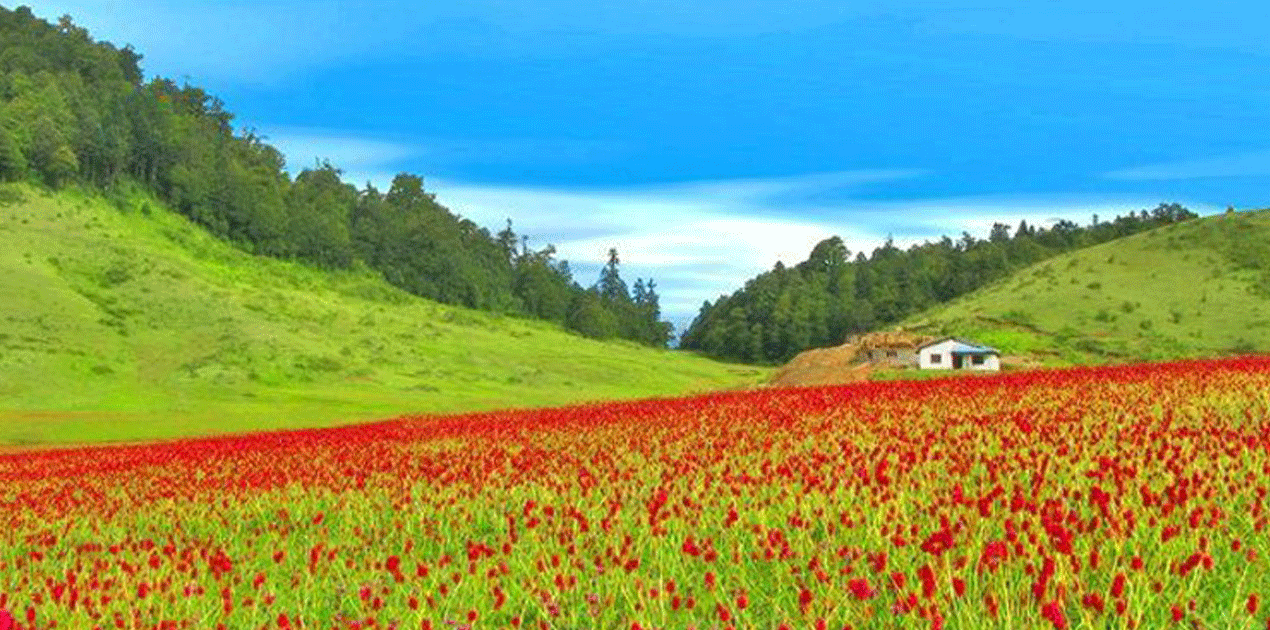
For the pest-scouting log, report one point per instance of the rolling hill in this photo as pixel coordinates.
(121, 320)
(1196, 288)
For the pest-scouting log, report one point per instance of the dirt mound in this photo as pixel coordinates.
(845, 363)
(823, 366)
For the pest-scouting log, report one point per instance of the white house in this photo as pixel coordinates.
(951, 353)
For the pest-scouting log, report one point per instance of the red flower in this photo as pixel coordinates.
(690, 547)
(938, 542)
(1054, 614)
(1093, 601)
(927, 576)
(993, 554)
(724, 615)
(860, 588)
(804, 599)
(1117, 586)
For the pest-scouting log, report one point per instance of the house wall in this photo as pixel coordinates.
(903, 356)
(944, 350)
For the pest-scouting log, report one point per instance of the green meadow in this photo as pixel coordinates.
(121, 320)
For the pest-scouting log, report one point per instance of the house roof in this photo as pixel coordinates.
(962, 346)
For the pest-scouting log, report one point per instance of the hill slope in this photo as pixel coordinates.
(1197, 288)
(124, 321)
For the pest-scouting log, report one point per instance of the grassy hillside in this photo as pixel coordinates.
(1197, 288)
(120, 320)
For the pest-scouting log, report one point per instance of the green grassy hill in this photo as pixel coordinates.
(120, 320)
(1197, 288)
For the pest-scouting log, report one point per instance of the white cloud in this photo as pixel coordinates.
(1255, 163)
(378, 159)
(772, 188)
(350, 152)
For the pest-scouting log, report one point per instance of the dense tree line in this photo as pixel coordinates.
(822, 300)
(77, 111)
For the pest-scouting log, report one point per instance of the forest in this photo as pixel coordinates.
(829, 296)
(77, 112)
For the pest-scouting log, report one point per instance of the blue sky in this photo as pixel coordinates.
(707, 140)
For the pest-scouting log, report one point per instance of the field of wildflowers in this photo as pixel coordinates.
(1115, 497)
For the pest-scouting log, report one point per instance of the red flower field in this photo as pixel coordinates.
(1110, 497)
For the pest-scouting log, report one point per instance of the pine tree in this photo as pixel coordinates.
(507, 242)
(611, 286)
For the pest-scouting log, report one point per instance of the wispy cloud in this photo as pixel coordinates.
(348, 151)
(1255, 163)
(792, 188)
(377, 159)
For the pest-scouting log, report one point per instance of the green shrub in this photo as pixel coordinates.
(1243, 346)
(1016, 316)
(9, 196)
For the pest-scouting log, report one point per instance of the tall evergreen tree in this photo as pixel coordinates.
(611, 286)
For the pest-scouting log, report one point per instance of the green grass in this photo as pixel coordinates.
(120, 320)
(1194, 289)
